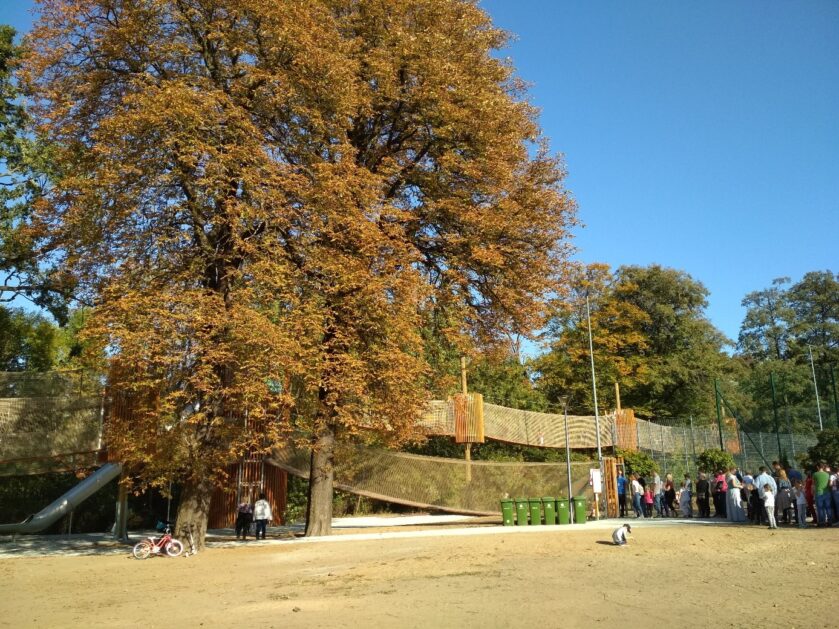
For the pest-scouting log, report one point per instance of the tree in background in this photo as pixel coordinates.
(266, 204)
(25, 166)
(28, 341)
(780, 328)
(713, 460)
(650, 334)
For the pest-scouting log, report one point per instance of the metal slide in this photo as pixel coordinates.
(66, 503)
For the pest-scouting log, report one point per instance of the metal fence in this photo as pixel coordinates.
(675, 444)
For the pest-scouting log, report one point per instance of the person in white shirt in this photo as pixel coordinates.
(262, 515)
(620, 533)
(769, 505)
(637, 493)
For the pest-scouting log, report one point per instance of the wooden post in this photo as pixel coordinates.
(617, 398)
(467, 450)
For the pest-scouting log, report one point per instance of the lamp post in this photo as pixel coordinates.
(594, 387)
(564, 401)
(815, 386)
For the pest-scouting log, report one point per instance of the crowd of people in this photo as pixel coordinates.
(771, 496)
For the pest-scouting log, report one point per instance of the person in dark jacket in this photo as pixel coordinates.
(703, 496)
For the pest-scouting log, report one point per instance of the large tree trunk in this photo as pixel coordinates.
(321, 479)
(194, 512)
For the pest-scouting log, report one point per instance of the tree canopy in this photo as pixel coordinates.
(252, 193)
(649, 334)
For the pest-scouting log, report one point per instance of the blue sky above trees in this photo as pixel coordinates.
(702, 137)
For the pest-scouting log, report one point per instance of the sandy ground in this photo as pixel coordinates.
(672, 575)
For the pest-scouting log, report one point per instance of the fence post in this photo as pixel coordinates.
(685, 444)
(661, 440)
(745, 456)
(760, 441)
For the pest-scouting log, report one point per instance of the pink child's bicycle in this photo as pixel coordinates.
(164, 545)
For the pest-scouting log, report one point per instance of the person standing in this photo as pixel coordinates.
(784, 499)
(685, 498)
(622, 493)
(262, 515)
(244, 517)
(657, 493)
(821, 490)
(769, 505)
(732, 507)
(720, 491)
(763, 479)
(800, 504)
(703, 496)
(637, 492)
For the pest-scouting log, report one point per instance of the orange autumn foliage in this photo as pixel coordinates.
(264, 199)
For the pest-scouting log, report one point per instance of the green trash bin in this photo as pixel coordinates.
(548, 505)
(535, 511)
(580, 510)
(563, 511)
(507, 512)
(521, 511)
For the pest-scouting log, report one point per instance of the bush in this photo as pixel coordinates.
(639, 463)
(712, 460)
(826, 449)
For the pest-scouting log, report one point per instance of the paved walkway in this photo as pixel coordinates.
(103, 544)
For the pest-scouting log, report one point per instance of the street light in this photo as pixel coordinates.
(564, 401)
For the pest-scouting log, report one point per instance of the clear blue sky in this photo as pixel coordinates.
(702, 136)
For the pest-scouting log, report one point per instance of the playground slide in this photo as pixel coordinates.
(66, 503)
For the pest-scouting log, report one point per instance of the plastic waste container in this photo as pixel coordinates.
(507, 512)
(535, 511)
(580, 510)
(563, 511)
(521, 511)
(549, 505)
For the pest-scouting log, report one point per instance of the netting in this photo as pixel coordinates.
(524, 427)
(439, 483)
(43, 427)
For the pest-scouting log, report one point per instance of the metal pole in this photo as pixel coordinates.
(816, 387)
(719, 412)
(685, 444)
(692, 440)
(775, 413)
(594, 387)
(661, 441)
(835, 399)
(567, 448)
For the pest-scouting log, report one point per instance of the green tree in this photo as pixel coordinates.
(826, 449)
(25, 165)
(712, 460)
(638, 462)
(765, 331)
(28, 341)
(650, 334)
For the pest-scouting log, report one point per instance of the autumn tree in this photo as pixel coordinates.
(267, 202)
(618, 339)
(649, 333)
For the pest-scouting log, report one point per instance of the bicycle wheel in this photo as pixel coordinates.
(142, 550)
(174, 548)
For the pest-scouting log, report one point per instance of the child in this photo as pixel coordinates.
(800, 504)
(648, 501)
(620, 533)
(769, 505)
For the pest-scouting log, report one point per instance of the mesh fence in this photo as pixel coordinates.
(55, 414)
(440, 483)
(525, 427)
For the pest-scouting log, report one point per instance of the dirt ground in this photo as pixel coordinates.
(689, 576)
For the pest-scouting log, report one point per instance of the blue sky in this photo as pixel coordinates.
(700, 136)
